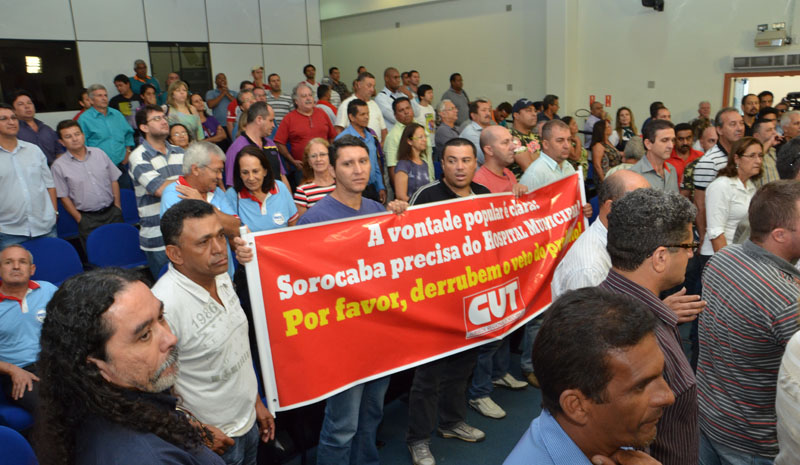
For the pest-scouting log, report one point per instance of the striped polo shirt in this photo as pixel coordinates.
(150, 169)
(709, 165)
(677, 440)
(751, 315)
(307, 195)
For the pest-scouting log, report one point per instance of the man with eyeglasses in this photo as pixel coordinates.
(28, 201)
(446, 131)
(650, 243)
(154, 165)
(752, 291)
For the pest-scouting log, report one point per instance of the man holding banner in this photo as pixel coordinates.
(350, 427)
(441, 386)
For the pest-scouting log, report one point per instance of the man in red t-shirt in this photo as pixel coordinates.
(301, 125)
(683, 153)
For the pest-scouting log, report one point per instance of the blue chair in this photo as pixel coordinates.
(16, 450)
(66, 226)
(55, 259)
(115, 244)
(130, 212)
(13, 416)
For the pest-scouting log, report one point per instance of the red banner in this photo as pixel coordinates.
(348, 301)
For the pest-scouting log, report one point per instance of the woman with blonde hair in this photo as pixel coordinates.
(318, 178)
(179, 110)
(625, 129)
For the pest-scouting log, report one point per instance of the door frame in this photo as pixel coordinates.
(726, 88)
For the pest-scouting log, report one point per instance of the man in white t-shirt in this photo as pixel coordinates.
(363, 89)
(216, 382)
(426, 116)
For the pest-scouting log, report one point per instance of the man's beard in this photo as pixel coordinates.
(161, 383)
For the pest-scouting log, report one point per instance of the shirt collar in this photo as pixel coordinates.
(558, 442)
(194, 289)
(32, 285)
(246, 194)
(759, 252)
(73, 157)
(153, 152)
(661, 311)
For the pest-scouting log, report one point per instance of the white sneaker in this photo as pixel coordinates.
(487, 407)
(421, 453)
(509, 382)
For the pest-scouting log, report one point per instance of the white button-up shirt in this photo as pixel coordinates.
(727, 201)
(586, 264)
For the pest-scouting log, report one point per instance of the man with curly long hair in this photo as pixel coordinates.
(107, 362)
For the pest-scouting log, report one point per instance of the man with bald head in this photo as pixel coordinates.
(596, 114)
(586, 264)
(498, 149)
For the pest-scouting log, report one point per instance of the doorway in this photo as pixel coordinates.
(780, 83)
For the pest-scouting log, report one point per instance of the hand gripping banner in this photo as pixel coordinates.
(339, 303)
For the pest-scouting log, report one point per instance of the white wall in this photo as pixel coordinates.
(281, 35)
(489, 46)
(573, 48)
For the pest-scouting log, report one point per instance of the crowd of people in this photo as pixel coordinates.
(674, 321)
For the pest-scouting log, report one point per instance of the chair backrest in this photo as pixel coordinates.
(130, 212)
(66, 226)
(115, 244)
(55, 259)
(13, 416)
(16, 450)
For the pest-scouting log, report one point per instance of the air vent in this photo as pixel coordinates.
(767, 62)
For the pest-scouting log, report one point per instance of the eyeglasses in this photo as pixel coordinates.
(314, 156)
(6, 118)
(157, 118)
(182, 133)
(753, 155)
(692, 245)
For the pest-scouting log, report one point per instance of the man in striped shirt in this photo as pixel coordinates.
(650, 243)
(752, 291)
(153, 166)
(730, 128)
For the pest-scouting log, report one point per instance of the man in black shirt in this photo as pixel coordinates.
(441, 385)
(127, 102)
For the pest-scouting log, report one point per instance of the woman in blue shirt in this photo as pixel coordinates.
(260, 202)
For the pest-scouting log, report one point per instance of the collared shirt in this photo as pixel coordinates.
(751, 315)
(384, 100)
(680, 164)
(150, 169)
(297, 130)
(707, 167)
(375, 176)
(376, 121)
(545, 170)
(438, 190)
(787, 405)
(21, 323)
(110, 132)
(769, 169)
(493, 182)
(586, 264)
(46, 138)
(136, 87)
(588, 128)
(281, 105)
(461, 101)
(727, 202)
(668, 182)
(87, 183)
(546, 443)
(444, 134)
(276, 211)
(677, 441)
(220, 111)
(472, 132)
(216, 382)
(25, 206)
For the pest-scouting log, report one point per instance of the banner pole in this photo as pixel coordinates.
(583, 198)
(260, 324)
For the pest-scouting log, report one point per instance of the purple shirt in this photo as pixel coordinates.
(268, 147)
(87, 182)
(329, 209)
(210, 127)
(46, 138)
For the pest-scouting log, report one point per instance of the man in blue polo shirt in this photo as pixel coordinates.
(351, 419)
(22, 311)
(603, 392)
(358, 114)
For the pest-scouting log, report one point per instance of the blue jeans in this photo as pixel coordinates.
(244, 449)
(493, 361)
(531, 330)
(350, 427)
(713, 453)
(10, 239)
(155, 261)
